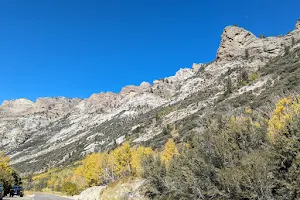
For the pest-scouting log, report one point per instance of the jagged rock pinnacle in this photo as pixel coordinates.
(233, 43)
(298, 25)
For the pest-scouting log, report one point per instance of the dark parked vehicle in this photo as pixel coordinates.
(1, 192)
(17, 190)
(11, 193)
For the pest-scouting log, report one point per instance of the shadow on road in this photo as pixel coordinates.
(17, 198)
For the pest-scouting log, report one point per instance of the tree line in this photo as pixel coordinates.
(94, 169)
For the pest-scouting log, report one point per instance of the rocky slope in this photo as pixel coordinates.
(56, 131)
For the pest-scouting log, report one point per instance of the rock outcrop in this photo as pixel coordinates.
(133, 90)
(16, 106)
(234, 42)
(92, 193)
(297, 27)
(59, 105)
(239, 44)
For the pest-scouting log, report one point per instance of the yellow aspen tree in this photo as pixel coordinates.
(138, 154)
(79, 171)
(93, 169)
(52, 182)
(4, 162)
(121, 157)
(5, 170)
(109, 167)
(286, 109)
(170, 150)
(80, 181)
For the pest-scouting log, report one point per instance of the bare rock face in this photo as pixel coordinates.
(239, 44)
(234, 42)
(133, 90)
(90, 193)
(102, 98)
(130, 90)
(145, 85)
(16, 106)
(58, 104)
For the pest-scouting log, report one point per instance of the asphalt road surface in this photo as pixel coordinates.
(48, 197)
(17, 198)
(38, 197)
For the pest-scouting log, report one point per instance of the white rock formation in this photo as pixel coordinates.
(237, 41)
(16, 106)
(92, 193)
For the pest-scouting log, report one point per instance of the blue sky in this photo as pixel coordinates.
(74, 48)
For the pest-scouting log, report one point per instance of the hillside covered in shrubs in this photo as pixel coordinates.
(234, 134)
(245, 156)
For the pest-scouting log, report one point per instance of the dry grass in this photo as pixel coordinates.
(48, 191)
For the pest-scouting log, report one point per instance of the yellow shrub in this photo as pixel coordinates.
(286, 110)
(169, 152)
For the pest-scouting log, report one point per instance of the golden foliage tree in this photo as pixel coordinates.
(103, 168)
(4, 162)
(287, 110)
(138, 154)
(284, 135)
(93, 168)
(120, 158)
(170, 150)
(5, 170)
(79, 177)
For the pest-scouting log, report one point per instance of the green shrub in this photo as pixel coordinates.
(228, 161)
(293, 41)
(246, 53)
(253, 76)
(228, 86)
(167, 130)
(154, 171)
(70, 188)
(165, 111)
(41, 184)
(262, 36)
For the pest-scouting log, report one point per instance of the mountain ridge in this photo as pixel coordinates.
(230, 33)
(55, 131)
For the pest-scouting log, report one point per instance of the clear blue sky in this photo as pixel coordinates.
(75, 48)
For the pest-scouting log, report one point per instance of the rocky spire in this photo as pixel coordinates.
(298, 25)
(233, 43)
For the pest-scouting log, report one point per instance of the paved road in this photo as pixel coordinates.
(38, 197)
(17, 198)
(48, 197)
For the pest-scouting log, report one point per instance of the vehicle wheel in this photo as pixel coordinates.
(20, 195)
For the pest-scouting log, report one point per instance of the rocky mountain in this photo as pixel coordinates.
(57, 131)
